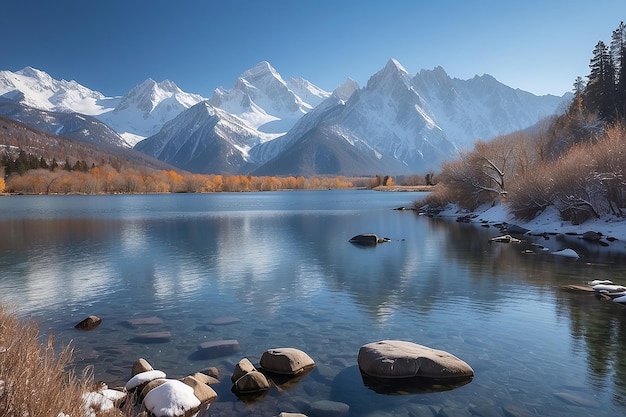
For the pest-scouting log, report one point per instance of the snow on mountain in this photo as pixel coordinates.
(138, 114)
(266, 102)
(37, 89)
(203, 139)
(67, 124)
(481, 107)
(345, 90)
(397, 123)
(390, 115)
(145, 108)
(307, 92)
(418, 121)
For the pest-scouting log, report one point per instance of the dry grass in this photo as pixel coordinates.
(34, 378)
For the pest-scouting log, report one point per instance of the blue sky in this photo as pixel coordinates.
(112, 45)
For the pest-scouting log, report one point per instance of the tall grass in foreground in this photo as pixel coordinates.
(34, 379)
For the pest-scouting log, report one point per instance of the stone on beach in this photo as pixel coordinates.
(401, 359)
(141, 365)
(143, 378)
(201, 390)
(287, 361)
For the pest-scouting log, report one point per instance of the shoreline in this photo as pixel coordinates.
(595, 239)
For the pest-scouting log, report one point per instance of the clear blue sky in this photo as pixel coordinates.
(112, 45)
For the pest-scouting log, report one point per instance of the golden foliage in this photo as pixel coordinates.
(105, 179)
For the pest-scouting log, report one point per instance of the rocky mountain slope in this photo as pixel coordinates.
(398, 123)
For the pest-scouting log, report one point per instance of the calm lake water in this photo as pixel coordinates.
(281, 265)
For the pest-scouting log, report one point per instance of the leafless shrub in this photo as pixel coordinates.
(36, 381)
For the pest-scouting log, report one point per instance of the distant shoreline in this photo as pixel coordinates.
(404, 188)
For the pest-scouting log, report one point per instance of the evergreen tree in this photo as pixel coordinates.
(21, 163)
(42, 163)
(579, 88)
(600, 91)
(54, 165)
(33, 161)
(618, 53)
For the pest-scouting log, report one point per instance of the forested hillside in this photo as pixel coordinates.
(574, 162)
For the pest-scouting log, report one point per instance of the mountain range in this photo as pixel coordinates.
(397, 124)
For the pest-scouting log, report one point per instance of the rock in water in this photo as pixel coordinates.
(287, 361)
(400, 359)
(89, 323)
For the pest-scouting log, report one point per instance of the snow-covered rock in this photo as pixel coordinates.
(143, 378)
(171, 399)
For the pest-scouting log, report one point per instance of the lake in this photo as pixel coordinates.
(277, 267)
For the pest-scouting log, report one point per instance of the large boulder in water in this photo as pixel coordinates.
(288, 361)
(400, 359)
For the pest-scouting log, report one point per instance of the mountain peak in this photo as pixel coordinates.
(391, 73)
(394, 65)
(345, 90)
(33, 73)
(261, 69)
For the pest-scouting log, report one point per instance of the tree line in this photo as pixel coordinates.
(573, 162)
(105, 179)
(604, 92)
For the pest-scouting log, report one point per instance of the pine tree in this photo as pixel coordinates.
(618, 53)
(600, 91)
(579, 88)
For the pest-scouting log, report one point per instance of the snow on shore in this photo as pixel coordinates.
(612, 229)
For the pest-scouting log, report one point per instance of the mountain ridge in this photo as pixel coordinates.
(398, 121)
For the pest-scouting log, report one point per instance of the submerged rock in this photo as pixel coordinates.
(217, 348)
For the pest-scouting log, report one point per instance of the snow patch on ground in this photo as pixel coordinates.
(549, 221)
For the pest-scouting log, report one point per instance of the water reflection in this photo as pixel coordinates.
(597, 327)
(292, 278)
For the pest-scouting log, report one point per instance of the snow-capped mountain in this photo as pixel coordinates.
(216, 136)
(418, 122)
(396, 124)
(481, 107)
(138, 114)
(37, 89)
(144, 110)
(70, 124)
(385, 121)
(266, 102)
(203, 139)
